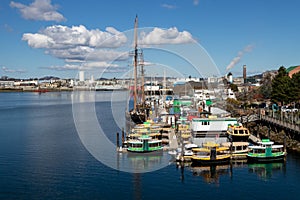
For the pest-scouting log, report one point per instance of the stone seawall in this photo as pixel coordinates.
(278, 136)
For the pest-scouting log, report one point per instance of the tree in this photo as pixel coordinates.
(295, 87)
(281, 87)
(266, 86)
(233, 87)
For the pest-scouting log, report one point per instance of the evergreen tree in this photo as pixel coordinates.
(281, 87)
(295, 87)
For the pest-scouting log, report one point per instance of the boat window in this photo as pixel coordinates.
(239, 148)
(205, 123)
(137, 145)
(235, 132)
(241, 131)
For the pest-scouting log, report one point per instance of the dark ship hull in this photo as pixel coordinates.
(138, 118)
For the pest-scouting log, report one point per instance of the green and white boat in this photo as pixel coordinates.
(266, 151)
(145, 138)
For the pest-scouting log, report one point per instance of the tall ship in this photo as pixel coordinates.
(139, 111)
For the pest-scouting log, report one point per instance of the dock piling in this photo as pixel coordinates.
(123, 136)
(118, 143)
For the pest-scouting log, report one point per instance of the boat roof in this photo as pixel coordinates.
(191, 146)
(228, 144)
(263, 147)
(265, 143)
(210, 144)
(208, 150)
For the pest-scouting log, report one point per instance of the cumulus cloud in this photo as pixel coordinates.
(165, 36)
(40, 10)
(59, 36)
(7, 70)
(81, 48)
(77, 43)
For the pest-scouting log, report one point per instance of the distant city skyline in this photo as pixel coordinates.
(182, 38)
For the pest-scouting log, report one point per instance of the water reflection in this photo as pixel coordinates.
(211, 174)
(142, 162)
(265, 171)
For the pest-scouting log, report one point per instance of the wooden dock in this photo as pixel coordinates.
(283, 124)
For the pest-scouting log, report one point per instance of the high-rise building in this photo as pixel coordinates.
(81, 76)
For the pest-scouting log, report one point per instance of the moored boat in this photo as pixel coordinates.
(237, 150)
(266, 151)
(210, 153)
(238, 133)
(144, 138)
(210, 129)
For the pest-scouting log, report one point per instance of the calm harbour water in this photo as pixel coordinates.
(42, 157)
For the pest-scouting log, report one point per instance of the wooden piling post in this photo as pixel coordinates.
(123, 136)
(118, 143)
(284, 142)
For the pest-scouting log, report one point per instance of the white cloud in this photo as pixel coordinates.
(107, 55)
(196, 2)
(78, 43)
(73, 53)
(165, 36)
(7, 70)
(168, 6)
(38, 40)
(64, 67)
(59, 36)
(86, 66)
(41, 10)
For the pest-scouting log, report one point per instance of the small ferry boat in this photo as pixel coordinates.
(210, 153)
(144, 138)
(266, 151)
(185, 153)
(238, 133)
(237, 150)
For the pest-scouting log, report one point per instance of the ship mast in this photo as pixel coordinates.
(135, 65)
(142, 76)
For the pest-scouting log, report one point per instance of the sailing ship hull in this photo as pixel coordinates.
(138, 118)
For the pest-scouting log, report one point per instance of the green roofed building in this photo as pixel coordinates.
(293, 70)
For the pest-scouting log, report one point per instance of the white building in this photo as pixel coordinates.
(81, 76)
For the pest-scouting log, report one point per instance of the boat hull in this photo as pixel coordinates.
(199, 161)
(141, 151)
(265, 159)
(138, 118)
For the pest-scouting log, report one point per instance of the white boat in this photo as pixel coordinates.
(210, 128)
(110, 87)
(187, 152)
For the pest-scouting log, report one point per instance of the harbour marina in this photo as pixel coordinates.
(185, 126)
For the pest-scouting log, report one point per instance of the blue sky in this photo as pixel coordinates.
(183, 37)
